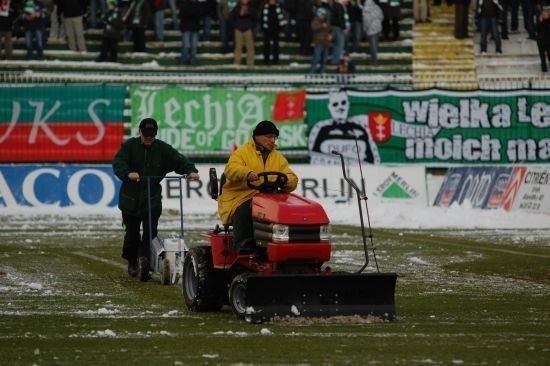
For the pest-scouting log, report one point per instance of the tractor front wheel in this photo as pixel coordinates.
(237, 295)
(203, 288)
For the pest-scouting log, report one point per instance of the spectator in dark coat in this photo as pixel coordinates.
(488, 12)
(543, 35)
(136, 19)
(273, 21)
(9, 10)
(191, 12)
(461, 18)
(392, 14)
(339, 21)
(356, 19)
(322, 38)
(346, 65)
(244, 17)
(157, 7)
(112, 26)
(209, 14)
(33, 17)
(96, 5)
(73, 11)
(225, 26)
(304, 16)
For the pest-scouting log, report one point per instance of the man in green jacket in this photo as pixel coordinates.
(138, 158)
(257, 156)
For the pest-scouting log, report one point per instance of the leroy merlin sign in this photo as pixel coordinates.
(218, 119)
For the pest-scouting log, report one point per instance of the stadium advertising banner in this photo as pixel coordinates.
(57, 185)
(96, 186)
(70, 123)
(429, 126)
(490, 187)
(211, 119)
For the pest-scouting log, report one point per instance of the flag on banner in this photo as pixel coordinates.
(380, 126)
(289, 106)
(4, 8)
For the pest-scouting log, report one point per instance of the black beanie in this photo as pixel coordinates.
(148, 127)
(265, 128)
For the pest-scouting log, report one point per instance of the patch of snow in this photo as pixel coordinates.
(106, 333)
(170, 313)
(35, 286)
(265, 331)
(231, 333)
(294, 310)
(105, 311)
(417, 260)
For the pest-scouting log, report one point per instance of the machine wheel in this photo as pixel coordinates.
(203, 288)
(165, 272)
(143, 269)
(237, 295)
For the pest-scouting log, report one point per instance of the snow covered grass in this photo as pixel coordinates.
(467, 296)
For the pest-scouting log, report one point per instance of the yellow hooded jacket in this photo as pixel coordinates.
(241, 162)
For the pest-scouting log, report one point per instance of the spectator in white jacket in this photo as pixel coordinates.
(372, 25)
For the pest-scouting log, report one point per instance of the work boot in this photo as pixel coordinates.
(143, 266)
(132, 268)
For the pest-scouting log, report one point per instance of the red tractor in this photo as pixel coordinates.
(287, 275)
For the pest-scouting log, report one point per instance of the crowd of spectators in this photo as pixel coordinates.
(240, 23)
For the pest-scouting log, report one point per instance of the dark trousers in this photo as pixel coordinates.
(271, 46)
(303, 29)
(461, 20)
(544, 52)
(109, 49)
(243, 231)
(138, 39)
(136, 245)
(393, 25)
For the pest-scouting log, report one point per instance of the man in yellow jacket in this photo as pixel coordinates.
(256, 156)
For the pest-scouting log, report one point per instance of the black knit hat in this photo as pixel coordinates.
(148, 127)
(265, 128)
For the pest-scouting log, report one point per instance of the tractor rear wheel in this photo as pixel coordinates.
(203, 288)
(237, 295)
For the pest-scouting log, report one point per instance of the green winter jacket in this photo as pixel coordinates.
(159, 160)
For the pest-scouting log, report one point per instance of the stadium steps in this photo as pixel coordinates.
(439, 59)
(519, 57)
(395, 58)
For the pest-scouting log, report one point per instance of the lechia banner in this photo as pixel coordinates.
(210, 119)
(429, 127)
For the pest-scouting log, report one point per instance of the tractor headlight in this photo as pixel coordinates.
(324, 233)
(281, 233)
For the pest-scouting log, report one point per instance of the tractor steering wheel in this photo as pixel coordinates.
(270, 186)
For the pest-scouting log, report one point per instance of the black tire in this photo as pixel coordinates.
(165, 272)
(143, 269)
(237, 295)
(203, 289)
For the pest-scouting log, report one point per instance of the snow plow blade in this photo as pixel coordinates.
(311, 295)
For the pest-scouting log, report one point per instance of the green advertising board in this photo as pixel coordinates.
(433, 126)
(217, 119)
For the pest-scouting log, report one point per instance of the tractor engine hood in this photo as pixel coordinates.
(287, 209)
